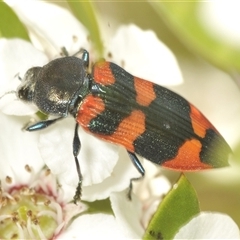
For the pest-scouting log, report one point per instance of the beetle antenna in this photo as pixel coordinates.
(9, 92)
(18, 76)
(64, 52)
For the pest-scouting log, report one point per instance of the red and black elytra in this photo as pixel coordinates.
(145, 118)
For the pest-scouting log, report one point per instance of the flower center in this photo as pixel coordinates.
(29, 213)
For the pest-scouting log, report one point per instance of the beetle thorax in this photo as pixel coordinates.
(55, 86)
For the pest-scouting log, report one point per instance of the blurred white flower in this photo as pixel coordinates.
(221, 19)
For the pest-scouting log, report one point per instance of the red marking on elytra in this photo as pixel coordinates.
(89, 109)
(199, 122)
(102, 73)
(145, 91)
(128, 130)
(188, 157)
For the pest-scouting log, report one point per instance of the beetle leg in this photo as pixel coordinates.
(76, 149)
(85, 55)
(85, 58)
(140, 169)
(64, 52)
(42, 124)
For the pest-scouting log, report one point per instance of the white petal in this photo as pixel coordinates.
(143, 55)
(151, 190)
(209, 226)
(72, 210)
(154, 182)
(128, 214)
(18, 148)
(53, 25)
(93, 226)
(16, 57)
(12, 106)
(118, 181)
(96, 158)
(221, 19)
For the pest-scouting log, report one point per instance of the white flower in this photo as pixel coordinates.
(51, 27)
(33, 207)
(209, 226)
(124, 224)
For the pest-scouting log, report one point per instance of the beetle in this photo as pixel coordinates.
(113, 105)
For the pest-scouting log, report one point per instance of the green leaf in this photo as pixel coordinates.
(176, 209)
(41, 115)
(10, 25)
(99, 206)
(182, 19)
(84, 11)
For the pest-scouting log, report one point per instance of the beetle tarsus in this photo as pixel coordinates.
(78, 193)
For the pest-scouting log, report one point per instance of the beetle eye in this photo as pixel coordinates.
(25, 94)
(25, 90)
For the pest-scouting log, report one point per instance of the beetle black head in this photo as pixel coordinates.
(25, 90)
(55, 87)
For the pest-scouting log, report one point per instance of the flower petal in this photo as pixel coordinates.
(209, 226)
(143, 55)
(16, 57)
(93, 226)
(128, 214)
(151, 190)
(18, 148)
(154, 182)
(118, 181)
(51, 27)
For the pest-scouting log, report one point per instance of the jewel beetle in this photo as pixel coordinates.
(113, 105)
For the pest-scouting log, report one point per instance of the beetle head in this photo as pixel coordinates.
(25, 90)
